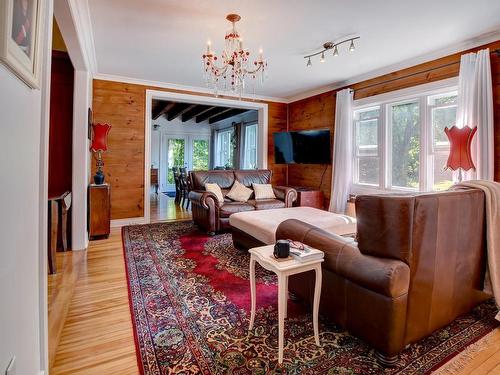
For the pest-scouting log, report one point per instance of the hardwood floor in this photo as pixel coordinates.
(90, 329)
(164, 208)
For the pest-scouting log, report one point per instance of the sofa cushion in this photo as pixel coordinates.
(239, 192)
(263, 191)
(224, 179)
(251, 176)
(266, 204)
(227, 209)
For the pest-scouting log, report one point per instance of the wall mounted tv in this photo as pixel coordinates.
(302, 147)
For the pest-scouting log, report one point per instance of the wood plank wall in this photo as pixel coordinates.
(123, 106)
(318, 111)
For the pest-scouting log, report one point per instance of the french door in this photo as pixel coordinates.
(188, 151)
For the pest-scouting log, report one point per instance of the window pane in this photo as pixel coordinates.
(175, 157)
(367, 137)
(442, 117)
(405, 145)
(369, 113)
(443, 99)
(250, 154)
(443, 179)
(368, 171)
(200, 155)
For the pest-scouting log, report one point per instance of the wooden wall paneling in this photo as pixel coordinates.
(317, 112)
(123, 106)
(312, 112)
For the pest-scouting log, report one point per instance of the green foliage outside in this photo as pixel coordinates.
(175, 157)
(405, 145)
(200, 155)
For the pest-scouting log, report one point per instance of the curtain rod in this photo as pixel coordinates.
(496, 51)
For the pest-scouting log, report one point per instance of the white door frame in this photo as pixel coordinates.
(262, 109)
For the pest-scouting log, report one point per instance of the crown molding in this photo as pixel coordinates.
(80, 12)
(195, 89)
(485, 38)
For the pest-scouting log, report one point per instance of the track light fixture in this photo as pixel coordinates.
(335, 51)
(330, 45)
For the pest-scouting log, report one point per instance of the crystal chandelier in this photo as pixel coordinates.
(232, 69)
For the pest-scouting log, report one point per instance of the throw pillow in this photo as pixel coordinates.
(214, 188)
(239, 192)
(263, 191)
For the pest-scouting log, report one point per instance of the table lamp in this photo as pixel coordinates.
(99, 145)
(460, 149)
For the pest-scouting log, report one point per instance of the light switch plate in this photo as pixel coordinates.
(11, 368)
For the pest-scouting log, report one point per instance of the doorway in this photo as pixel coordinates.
(189, 132)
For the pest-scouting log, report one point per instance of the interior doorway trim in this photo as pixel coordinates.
(262, 109)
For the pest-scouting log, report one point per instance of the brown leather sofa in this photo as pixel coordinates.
(212, 217)
(418, 263)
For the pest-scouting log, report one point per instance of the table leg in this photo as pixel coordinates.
(52, 235)
(285, 281)
(64, 225)
(252, 291)
(281, 315)
(317, 294)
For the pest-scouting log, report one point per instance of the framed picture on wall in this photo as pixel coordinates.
(20, 38)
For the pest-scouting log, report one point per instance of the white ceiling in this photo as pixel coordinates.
(162, 40)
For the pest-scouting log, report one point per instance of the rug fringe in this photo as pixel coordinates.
(457, 364)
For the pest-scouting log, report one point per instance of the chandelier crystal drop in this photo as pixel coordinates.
(232, 68)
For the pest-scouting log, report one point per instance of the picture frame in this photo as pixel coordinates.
(90, 121)
(20, 32)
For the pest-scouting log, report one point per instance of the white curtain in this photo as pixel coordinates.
(475, 108)
(342, 151)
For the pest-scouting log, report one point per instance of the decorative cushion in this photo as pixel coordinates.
(214, 188)
(239, 192)
(263, 191)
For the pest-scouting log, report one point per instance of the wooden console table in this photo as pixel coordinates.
(99, 210)
(307, 197)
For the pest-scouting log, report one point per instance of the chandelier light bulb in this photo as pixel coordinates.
(322, 58)
(351, 47)
(335, 51)
(309, 63)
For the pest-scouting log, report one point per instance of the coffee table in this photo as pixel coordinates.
(283, 268)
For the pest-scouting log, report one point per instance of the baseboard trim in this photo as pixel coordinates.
(118, 223)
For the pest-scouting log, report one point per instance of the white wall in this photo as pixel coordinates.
(23, 151)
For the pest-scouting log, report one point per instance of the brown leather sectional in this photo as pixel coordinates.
(212, 217)
(418, 263)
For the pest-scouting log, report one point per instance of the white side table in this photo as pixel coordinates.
(284, 268)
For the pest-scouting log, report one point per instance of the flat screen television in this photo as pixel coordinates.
(302, 147)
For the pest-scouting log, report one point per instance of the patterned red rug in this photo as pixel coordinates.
(189, 299)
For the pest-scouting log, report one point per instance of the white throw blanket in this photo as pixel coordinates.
(492, 192)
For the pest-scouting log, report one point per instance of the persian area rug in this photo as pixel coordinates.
(190, 304)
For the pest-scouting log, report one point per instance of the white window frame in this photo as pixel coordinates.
(218, 148)
(246, 148)
(384, 102)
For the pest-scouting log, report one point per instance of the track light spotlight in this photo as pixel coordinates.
(309, 63)
(322, 59)
(335, 51)
(351, 47)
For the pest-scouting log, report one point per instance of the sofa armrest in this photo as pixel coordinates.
(202, 198)
(389, 277)
(285, 194)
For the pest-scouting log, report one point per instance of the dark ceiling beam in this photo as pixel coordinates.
(211, 112)
(195, 111)
(178, 110)
(160, 108)
(223, 116)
